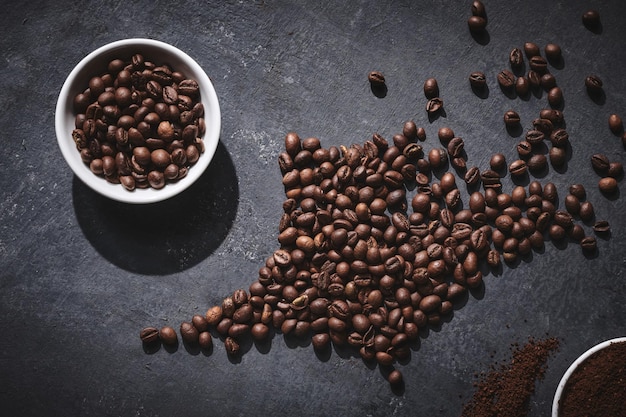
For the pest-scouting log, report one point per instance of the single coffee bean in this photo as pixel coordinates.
(421, 134)
(231, 345)
(478, 80)
(516, 58)
(578, 190)
(591, 19)
(149, 335)
(434, 105)
(477, 24)
(472, 176)
(455, 147)
(376, 78)
(555, 96)
(410, 130)
(593, 83)
(547, 81)
(587, 211)
(168, 336)
(188, 332)
(205, 340)
(506, 79)
(559, 138)
(478, 9)
(615, 124)
(524, 149)
(445, 134)
(616, 170)
(431, 88)
(572, 204)
(531, 49)
(511, 118)
(517, 168)
(589, 244)
(555, 116)
(545, 126)
(497, 162)
(550, 192)
(553, 52)
(600, 163)
(534, 136)
(537, 163)
(601, 227)
(522, 86)
(395, 378)
(608, 185)
(534, 79)
(538, 63)
(557, 156)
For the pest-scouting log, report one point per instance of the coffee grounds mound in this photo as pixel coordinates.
(505, 390)
(598, 385)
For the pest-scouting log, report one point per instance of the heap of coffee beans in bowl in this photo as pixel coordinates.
(139, 124)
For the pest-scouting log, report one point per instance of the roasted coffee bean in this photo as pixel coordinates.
(616, 170)
(593, 83)
(477, 24)
(149, 335)
(472, 176)
(534, 79)
(431, 88)
(511, 118)
(497, 162)
(534, 136)
(524, 149)
(578, 190)
(572, 204)
(557, 156)
(188, 332)
(445, 134)
(522, 86)
(589, 244)
(518, 168)
(516, 58)
(376, 78)
(545, 126)
(455, 147)
(559, 137)
(506, 79)
(553, 52)
(434, 105)
(601, 227)
(615, 124)
(608, 185)
(538, 63)
(537, 163)
(555, 116)
(168, 336)
(591, 19)
(231, 345)
(478, 9)
(478, 80)
(555, 96)
(600, 163)
(531, 49)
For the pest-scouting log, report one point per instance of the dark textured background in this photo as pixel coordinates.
(80, 275)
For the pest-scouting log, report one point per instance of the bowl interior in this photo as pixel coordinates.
(95, 64)
(572, 368)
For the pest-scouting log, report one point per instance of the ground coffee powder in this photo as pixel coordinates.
(505, 390)
(598, 385)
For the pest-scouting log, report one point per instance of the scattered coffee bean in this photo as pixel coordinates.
(547, 81)
(558, 156)
(537, 163)
(478, 80)
(431, 88)
(149, 335)
(608, 185)
(522, 86)
(506, 79)
(600, 163)
(531, 49)
(516, 58)
(616, 170)
(511, 118)
(593, 83)
(601, 227)
(376, 78)
(497, 162)
(168, 336)
(434, 105)
(478, 9)
(553, 52)
(591, 19)
(188, 332)
(518, 168)
(477, 24)
(615, 124)
(589, 244)
(538, 63)
(555, 96)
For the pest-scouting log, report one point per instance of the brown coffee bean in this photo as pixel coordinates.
(553, 52)
(497, 162)
(168, 336)
(472, 176)
(591, 19)
(478, 80)
(531, 49)
(518, 168)
(616, 170)
(431, 88)
(188, 332)
(516, 58)
(376, 78)
(601, 227)
(589, 244)
(477, 24)
(537, 163)
(608, 185)
(578, 190)
(615, 124)
(593, 83)
(149, 335)
(511, 118)
(434, 105)
(600, 163)
(555, 96)
(572, 204)
(506, 79)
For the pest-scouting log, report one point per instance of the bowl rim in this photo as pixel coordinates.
(115, 191)
(574, 366)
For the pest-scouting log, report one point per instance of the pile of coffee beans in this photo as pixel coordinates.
(375, 242)
(139, 124)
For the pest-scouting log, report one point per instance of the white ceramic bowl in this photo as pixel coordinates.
(572, 368)
(95, 64)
